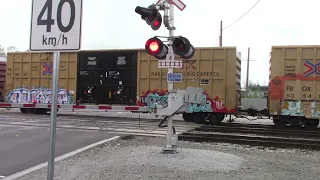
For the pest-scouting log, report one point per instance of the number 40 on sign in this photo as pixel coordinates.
(56, 25)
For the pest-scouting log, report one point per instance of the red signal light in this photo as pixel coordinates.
(151, 15)
(182, 47)
(155, 47)
(156, 23)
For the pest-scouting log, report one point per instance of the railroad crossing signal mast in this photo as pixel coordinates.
(176, 44)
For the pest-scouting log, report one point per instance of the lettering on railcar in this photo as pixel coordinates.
(276, 82)
(214, 74)
(290, 71)
(35, 68)
(290, 94)
(9, 70)
(63, 67)
(16, 72)
(306, 88)
(307, 92)
(289, 88)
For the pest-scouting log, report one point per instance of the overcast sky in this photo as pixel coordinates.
(114, 24)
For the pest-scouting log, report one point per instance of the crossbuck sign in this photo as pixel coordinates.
(179, 4)
(56, 25)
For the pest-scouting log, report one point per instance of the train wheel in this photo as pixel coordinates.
(187, 117)
(199, 117)
(295, 122)
(216, 118)
(266, 112)
(312, 123)
(279, 122)
(252, 112)
(44, 111)
(37, 111)
(24, 110)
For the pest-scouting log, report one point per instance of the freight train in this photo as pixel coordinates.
(125, 77)
(133, 78)
(2, 77)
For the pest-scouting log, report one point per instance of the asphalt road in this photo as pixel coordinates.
(24, 147)
(24, 139)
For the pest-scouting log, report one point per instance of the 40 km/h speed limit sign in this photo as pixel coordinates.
(56, 25)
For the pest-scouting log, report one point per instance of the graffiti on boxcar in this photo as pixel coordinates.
(296, 108)
(292, 108)
(200, 108)
(159, 99)
(39, 95)
(153, 99)
(284, 101)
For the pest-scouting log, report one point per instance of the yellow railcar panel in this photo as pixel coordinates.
(216, 70)
(34, 70)
(297, 73)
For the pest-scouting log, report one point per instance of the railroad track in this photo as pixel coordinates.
(264, 126)
(255, 135)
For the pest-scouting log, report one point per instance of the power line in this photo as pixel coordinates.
(242, 15)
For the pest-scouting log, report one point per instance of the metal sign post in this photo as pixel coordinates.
(53, 119)
(55, 26)
(169, 10)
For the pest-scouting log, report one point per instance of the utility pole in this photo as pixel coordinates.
(247, 79)
(220, 37)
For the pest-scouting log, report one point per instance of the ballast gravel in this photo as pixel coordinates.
(140, 158)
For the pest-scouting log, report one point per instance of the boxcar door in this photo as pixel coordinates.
(121, 77)
(91, 67)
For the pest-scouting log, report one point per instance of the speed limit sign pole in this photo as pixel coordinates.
(55, 27)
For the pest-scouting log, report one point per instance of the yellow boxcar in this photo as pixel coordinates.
(30, 74)
(295, 85)
(217, 70)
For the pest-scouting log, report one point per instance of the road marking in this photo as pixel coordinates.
(37, 167)
(1, 177)
(139, 134)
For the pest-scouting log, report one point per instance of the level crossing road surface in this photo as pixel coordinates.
(24, 138)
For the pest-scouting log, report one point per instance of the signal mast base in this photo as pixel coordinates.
(173, 145)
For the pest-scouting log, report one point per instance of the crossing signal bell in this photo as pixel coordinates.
(182, 47)
(151, 15)
(155, 47)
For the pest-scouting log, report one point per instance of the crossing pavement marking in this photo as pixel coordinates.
(143, 127)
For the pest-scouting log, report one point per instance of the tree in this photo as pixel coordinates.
(2, 51)
(12, 49)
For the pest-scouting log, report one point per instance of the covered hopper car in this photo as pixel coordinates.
(125, 77)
